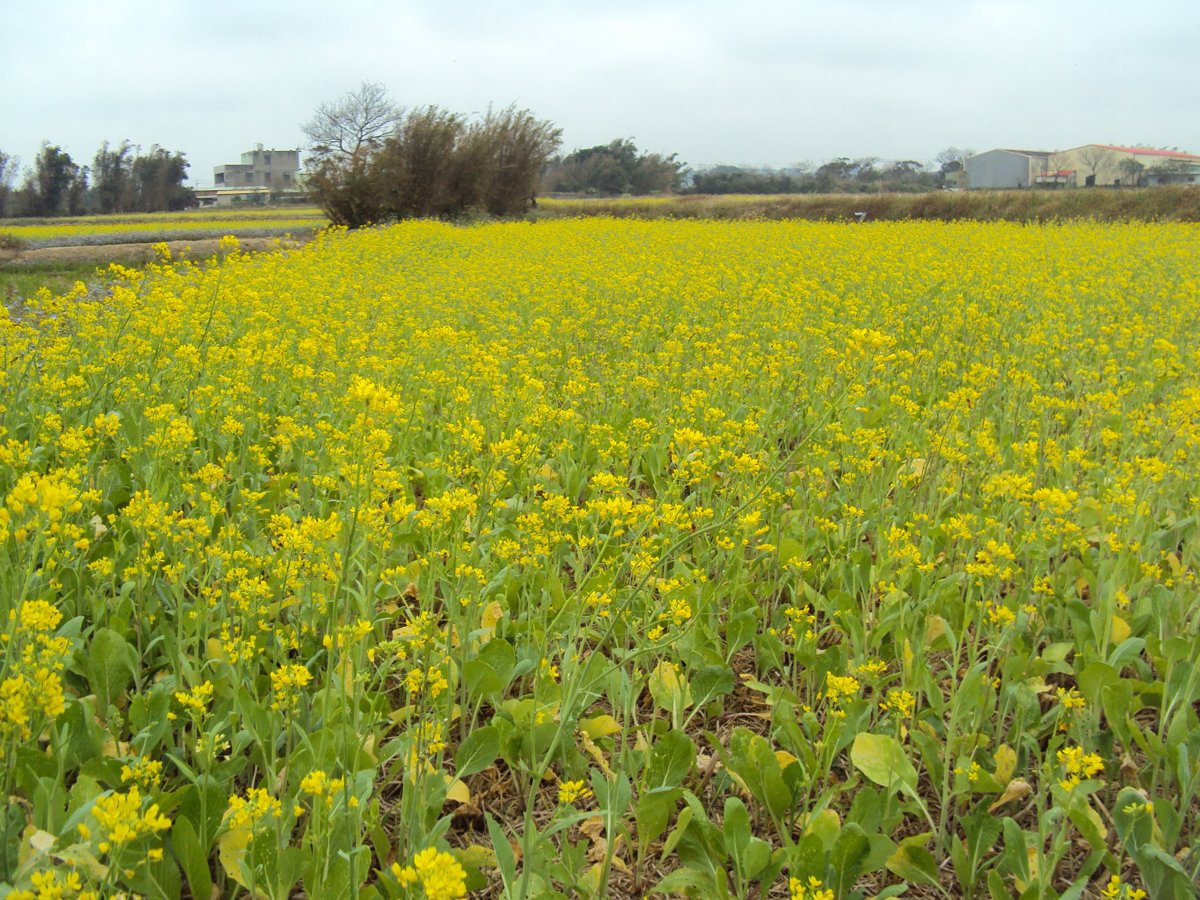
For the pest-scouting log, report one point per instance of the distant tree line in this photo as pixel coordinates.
(838, 176)
(120, 179)
(614, 169)
(372, 161)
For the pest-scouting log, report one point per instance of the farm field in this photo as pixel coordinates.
(604, 557)
(146, 227)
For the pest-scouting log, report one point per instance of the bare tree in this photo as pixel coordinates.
(953, 159)
(360, 121)
(952, 166)
(1132, 170)
(1096, 160)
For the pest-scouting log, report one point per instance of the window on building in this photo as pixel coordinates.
(220, 178)
(266, 159)
(249, 178)
(287, 177)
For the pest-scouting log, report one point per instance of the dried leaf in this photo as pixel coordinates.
(1017, 789)
(492, 613)
(1006, 763)
(458, 791)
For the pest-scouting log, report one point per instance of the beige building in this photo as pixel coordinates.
(276, 170)
(1106, 165)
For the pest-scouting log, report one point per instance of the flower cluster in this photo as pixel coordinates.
(438, 874)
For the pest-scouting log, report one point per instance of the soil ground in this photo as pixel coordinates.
(125, 253)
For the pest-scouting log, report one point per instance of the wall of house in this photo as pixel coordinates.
(276, 169)
(1105, 165)
(1091, 162)
(235, 176)
(1001, 169)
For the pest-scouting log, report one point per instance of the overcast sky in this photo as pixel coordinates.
(755, 82)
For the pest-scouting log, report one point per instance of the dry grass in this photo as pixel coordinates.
(1178, 204)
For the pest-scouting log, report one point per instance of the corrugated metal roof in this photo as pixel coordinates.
(1149, 151)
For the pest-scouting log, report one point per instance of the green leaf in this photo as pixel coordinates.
(478, 751)
(193, 857)
(741, 625)
(751, 758)
(690, 883)
(681, 825)
(883, 760)
(504, 854)
(736, 827)
(491, 670)
(159, 878)
(756, 858)
(1133, 821)
(711, 682)
(671, 759)
(846, 858)
(654, 810)
(913, 862)
(109, 666)
(671, 690)
(1089, 823)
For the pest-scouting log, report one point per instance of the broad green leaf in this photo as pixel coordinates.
(109, 665)
(736, 827)
(756, 858)
(711, 682)
(192, 856)
(883, 760)
(790, 549)
(690, 883)
(849, 851)
(681, 825)
(491, 670)
(671, 758)
(912, 862)
(654, 811)
(826, 825)
(478, 751)
(752, 759)
(1006, 763)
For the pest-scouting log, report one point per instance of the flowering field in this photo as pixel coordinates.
(594, 558)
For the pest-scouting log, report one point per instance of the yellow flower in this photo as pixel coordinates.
(1118, 890)
(1077, 766)
(1071, 699)
(573, 791)
(839, 687)
(899, 703)
(197, 699)
(813, 889)
(286, 684)
(255, 809)
(439, 874)
(122, 819)
(317, 784)
(147, 773)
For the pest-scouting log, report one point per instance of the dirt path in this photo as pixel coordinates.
(135, 253)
